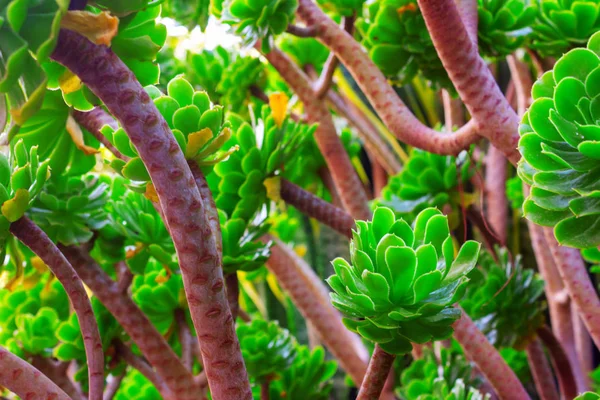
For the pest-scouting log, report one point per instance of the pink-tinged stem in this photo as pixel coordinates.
(454, 115)
(468, 10)
(25, 380)
(311, 297)
(93, 121)
(301, 31)
(344, 176)
(185, 215)
(574, 274)
(186, 339)
(471, 76)
(233, 293)
(495, 192)
(560, 363)
(377, 373)
(150, 342)
(394, 113)
(125, 353)
(488, 360)
(584, 348)
(541, 371)
(521, 78)
(559, 303)
(37, 240)
(319, 209)
(57, 373)
(113, 386)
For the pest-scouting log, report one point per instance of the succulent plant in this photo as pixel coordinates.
(517, 361)
(267, 349)
(136, 386)
(346, 8)
(399, 44)
(242, 251)
(455, 391)
(504, 25)
(427, 180)
(564, 24)
(70, 208)
(504, 299)
(559, 142)
(514, 192)
(123, 8)
(309, 377)
(36, 332)
(190, 13)
(403, 281)
(206, 68)
(304, 51)
(236, 81)
(259, 19)
(588, 396)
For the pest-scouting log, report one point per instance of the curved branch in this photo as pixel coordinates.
(344, 176)
(57, 372)
(541, 371)
(322, 85)
(495, 192)
(37, 240)
(377, 373)
(25, 380)
(185, 214)
(394, 113)
(301, 31)
(125, 353)
(560, 362)
(93, 121)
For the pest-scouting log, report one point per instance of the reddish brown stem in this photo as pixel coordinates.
(323, 84)
(93, 121)
(301, 31)
(495, 192)
(560, 363)
(150, 342)
(57, 372)
(454, 116)
(25, 380)
(488, 360)
(233, 293)
(311, 297)
(394, 113)
(37, 240)
(522, 82)
(185, 339)
(380, 177)
(124, 276)
(113, 386)
(185, 214)
(471, 76)
(345, 177)
(541, 371)
(264, 390)
(584, 349)
(377, 373)
(317, 208)
(140, 364)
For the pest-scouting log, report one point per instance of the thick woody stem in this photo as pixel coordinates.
(394, 113)
(377, 373)
(37, 240)
(574, 274)
(311, 297)
(57, 372)
(25, 380)
(301, 31)
(541, 371)
(344, 176)
(495, 192)
(488, 360)
(141, 331)
(319, 209)
(471, 76)
(93, 121)
(185, 214)
(140, 364)
(560, 363)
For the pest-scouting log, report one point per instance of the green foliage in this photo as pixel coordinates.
(70, 208)
(514, 192)
(427, 180)
(122, 8)
(456, 391)
(403, 280)
(346, 8)
(304, 51)
(267, 349)
(564, 24)
(517, 361)
(206, 68)
(28, 34)
(189, 13)
(236, 81)
(136, 386)
(256, 20)
(504, 25)
(242, 251)
(399, 44)
(560, 142)
(504, 299)
(588, 396)
(308, 377)
(35, 332)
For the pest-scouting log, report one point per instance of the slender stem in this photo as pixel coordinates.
(264, 390)
(495, 192)
(394, 113)
(377, 373)
(454, 115)
(113, 386)
(560, 362)
(488, 360)
(380, 177)
(141, 331)
(257, 92)
(233, 293)
(584, 349)
(57, 372)
(301, 31)
(93, 121)
(140, 364)
(522, 82)
(25, 380)
(574, 274)
(322, 85)
(185, 339)
(541, 371)
(312, 299)
(37, 240)
(327, 180)
(317, 208)
(344, 176)
(124, 276)
(185, 213)
(471, 76)
(490, 238)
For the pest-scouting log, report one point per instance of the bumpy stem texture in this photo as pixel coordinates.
(377, 373)
(574, 274)
(310, 296)
(199, 260)
(150, 342)
(37, 240)
(25, 381)
(344, 176)
(488, 360)
(394, 113)
(560, 362)
(541, 371)
(471, 76)
(495, 192)
(57, 373)
(317, 208)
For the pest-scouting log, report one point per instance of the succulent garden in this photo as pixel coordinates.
(300, 199)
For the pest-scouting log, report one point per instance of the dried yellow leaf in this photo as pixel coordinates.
(77, 136)
(150, 193)
(273, 186)
(98, 28)
(196, 141)
(278, 103)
